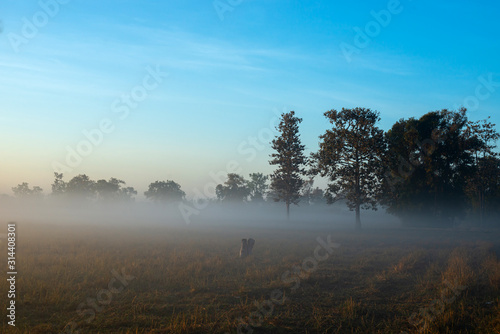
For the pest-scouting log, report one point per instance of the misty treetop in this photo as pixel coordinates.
(165, 191)
(233, 190)
(113, 189)
(257, 186)
(237, 189)
(23, 190)
(82, 187)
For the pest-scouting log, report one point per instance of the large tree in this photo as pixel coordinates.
(81, 186)
(233, 190)
(488, 172)
(482, 186)
(350, 156)
(286, 181)
(257, 186)
(114, 190)
(168, 191)
(428, 163)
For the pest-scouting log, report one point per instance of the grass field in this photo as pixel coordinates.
(190, 280)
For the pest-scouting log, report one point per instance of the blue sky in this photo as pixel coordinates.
(225, 72)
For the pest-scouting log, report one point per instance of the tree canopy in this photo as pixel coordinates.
(24, 191)
(113, 190)
(257, 186)
(82, 187)
(165, 191)
(233, 190)
(350, 157)
(430, 163)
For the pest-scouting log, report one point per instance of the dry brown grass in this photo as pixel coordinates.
(192, 281)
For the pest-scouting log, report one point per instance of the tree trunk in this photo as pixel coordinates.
(287, 211)
(358, 217)
(480, 192)
(481, 207)
(358, 193)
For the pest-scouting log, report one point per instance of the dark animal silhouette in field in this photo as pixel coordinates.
(246, 247)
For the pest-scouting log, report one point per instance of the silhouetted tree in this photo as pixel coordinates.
(428, 162)
(257, 186)
(23, 190)
(127, 194)
(233, 190)
(483, 181)
(489, 170)
(350, 156)
(107, 190)
(80, 186)
(113, 190)
(311, 195)
(305, 192)
(168, 191)
(286, 181)
(59, 186)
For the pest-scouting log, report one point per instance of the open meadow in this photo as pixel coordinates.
(191, 280)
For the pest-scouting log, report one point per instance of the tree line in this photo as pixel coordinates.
(235, 189)
(430, 170)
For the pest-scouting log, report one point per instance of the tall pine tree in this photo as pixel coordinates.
(286, 181)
